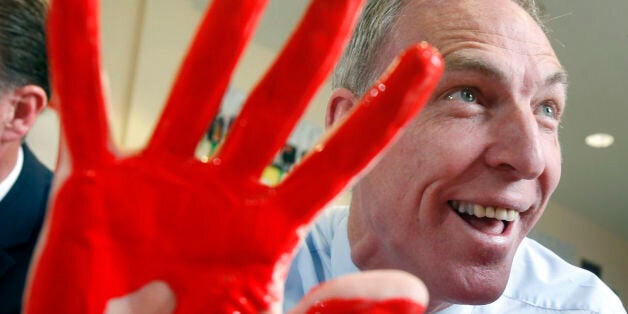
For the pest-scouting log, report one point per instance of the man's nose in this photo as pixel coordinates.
(516, 146)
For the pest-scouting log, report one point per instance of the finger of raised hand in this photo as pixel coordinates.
(381, 114)
(74, 49)
(378, 291)
(280, 99)
(203, 78)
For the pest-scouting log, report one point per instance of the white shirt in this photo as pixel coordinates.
(540, 281)
(8, 182)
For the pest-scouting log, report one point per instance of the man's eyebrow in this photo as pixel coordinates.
(559, 77)
(465, 63)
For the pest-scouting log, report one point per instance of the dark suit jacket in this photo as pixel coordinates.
(21, 216)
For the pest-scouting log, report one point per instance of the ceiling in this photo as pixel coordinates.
(591, 40)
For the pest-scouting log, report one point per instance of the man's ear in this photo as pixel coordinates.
(340, 104)
(27, 102)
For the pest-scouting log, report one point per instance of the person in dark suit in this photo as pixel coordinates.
(24, 180)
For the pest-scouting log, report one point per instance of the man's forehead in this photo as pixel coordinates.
(434, 15)
(447, 23)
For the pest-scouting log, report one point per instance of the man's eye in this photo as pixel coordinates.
(465, 95)
(548, 110)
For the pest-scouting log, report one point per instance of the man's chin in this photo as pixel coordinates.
(482, 298)
(482, 283)
(464, 297)
(473, 286)
(478, 294)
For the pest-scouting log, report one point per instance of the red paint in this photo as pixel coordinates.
(212, 231)
(358, 306)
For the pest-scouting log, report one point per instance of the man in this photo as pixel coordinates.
(454, 198)
(24, 181)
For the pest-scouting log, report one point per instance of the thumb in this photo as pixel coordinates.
(378, 291)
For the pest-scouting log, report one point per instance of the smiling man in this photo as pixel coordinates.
(454, 198)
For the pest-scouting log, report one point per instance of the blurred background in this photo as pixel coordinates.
(586, 222)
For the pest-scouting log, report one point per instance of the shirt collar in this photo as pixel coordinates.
(18, 217)
(8, 182)
(341, 262)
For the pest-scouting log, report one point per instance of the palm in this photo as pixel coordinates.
(217, 236)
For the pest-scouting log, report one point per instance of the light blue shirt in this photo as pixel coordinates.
(540, 281)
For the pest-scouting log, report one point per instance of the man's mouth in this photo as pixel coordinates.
(487, 219)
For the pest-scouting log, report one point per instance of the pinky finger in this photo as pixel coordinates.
(75, 62)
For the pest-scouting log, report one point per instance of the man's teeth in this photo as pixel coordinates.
(489, 212)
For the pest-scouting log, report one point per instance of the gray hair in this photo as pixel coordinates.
(355, 70)
(23, 58)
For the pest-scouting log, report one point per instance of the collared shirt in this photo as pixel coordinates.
(540, 281)
(22, 210)
(8, 182)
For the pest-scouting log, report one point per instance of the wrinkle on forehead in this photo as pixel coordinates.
(449, 40)
(495, 20)
(488, 26)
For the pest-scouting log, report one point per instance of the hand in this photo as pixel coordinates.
(208, 237)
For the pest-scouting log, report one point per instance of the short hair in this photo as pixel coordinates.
(23, 57)
(355, 70)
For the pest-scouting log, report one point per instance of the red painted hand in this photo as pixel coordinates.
(210, 233)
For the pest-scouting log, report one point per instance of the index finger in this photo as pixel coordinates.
(381, 114)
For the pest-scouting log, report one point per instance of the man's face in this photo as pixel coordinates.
(487, 141)
(7, 112)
